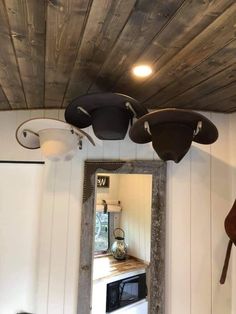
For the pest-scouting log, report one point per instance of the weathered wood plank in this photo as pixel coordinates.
(65, 25)
(208, 42)
(213, 65)
(189, 21)
(9, 72)
(221, 100)
(4, 104)
(27, 23)
(217, 98)
(221, 79)
(146, 20)
(230, 104)
(105, 22)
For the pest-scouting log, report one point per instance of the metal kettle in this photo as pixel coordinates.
(119, 247)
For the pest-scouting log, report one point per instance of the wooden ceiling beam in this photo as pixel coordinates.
(9, 70)
(146, 20)
(188, 22)
(27, 24)
(66, 21)
(105, 22)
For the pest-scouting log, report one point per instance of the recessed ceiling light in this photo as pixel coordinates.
(142, 70)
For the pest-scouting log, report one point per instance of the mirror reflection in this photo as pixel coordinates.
(122, 241)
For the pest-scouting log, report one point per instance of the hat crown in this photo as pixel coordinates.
(171, 141)
(58, 144)
(110, 123)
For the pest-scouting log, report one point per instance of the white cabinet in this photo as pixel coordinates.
(140, 307)
(99, 298)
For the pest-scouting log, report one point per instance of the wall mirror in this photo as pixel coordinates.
(125, 199)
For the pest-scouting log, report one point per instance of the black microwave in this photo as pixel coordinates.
(126, 291)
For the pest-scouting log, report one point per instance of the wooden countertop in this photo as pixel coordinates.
(107, 266)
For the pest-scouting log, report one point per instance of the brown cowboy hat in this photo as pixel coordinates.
(230, 229)
(172, 131)
(108, 113)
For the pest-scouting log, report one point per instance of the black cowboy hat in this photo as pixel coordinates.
(108, 113)
(172, 132)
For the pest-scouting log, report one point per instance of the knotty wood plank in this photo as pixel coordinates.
(27, 23)
(211, 40)
(9, 72)
(4, 104)
(105, 22)
(213, 65)
(221, 79)
(189, 21)
(146, 20)
(65, 24)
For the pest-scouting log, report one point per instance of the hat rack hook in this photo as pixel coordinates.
(198, 128)
(25, 131)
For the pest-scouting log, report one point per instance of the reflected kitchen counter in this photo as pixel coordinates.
(106, 267)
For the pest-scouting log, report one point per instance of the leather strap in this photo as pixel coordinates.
(226, 263)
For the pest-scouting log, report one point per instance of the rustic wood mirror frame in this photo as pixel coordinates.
(156, 284)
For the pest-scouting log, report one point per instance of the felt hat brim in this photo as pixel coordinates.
(207, 134)
(27, 134)
(88, 103)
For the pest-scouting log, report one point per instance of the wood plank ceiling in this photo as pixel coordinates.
(52, 51)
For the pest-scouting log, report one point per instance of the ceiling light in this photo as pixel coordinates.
(142, 70)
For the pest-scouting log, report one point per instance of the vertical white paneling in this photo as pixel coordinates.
(94, 152)
(169, 237)
(20, 152)
(45, 244)
(61, 115)
(220, 205)
(111, 149)
(52, 113)
(233, 197)
(36, 113)
(128, 149)
(20, 202)
(73, 232)
(145, 151)
(180, 219)
(200, 230)
(59, 237)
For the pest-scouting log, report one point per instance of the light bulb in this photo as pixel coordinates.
(142, 70)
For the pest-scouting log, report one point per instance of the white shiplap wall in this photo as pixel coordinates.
(136, 213)
(233, 169)
(198, 198)
(20, 203)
